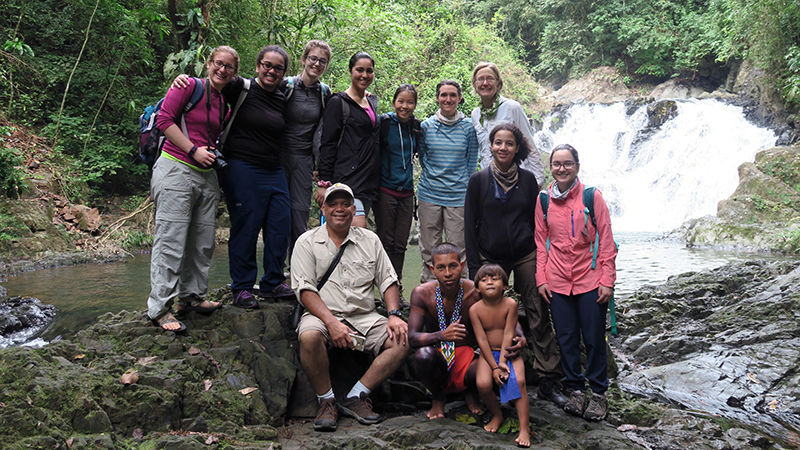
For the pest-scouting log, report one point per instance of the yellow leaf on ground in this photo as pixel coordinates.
(752, 377)
(81, 356)
(129, 378)
(247, 390)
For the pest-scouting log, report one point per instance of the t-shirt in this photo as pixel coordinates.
(257, 130)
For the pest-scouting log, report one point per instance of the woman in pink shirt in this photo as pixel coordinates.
(578, 294)
(185, 190)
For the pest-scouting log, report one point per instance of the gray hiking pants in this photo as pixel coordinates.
(186, 206)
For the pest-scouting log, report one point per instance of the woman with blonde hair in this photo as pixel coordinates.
(185, 190)
(496, 109)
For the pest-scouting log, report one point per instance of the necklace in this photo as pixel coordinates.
(448, 348)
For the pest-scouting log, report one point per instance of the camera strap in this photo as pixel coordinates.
(208, 113)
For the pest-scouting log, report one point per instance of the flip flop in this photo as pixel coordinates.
(168, 318)
(194, 305)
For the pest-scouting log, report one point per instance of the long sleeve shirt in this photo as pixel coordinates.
(509, 111)
(567, 266)
(448, 157)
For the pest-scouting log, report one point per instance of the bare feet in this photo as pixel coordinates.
(494, 424)
(524, 439)
(474, 403)
(437, 410)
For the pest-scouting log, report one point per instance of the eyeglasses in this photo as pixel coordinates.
(219, 65)
(567, 165)
(321, 61)
(490, 80)
(268, 66)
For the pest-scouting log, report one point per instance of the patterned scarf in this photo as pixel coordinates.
(492, 110)
(506, 180)
(448, 348)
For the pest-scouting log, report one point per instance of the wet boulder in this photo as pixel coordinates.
(21, 318)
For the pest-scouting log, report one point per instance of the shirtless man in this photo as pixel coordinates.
(432, 338)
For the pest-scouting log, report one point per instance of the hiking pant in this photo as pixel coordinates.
(258, 201)
(186, 210)
(547, 356)
(575, 316)
(433, 221)
(393, 216)
(299, 176)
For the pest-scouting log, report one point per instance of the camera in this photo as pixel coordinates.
(219, 164)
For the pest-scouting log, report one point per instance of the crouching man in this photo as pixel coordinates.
(341, 309)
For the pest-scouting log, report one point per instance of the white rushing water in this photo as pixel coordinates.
(680, 172)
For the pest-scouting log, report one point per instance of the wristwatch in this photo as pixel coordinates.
(396, 312)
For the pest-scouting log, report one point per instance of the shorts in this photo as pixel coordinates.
(375, 338)
(362, 206)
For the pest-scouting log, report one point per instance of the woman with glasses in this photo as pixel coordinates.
(495, 109)
(185, 190)
(349, 151)
(499, 229)
(306, 96)
(577, 284)
(255, 185)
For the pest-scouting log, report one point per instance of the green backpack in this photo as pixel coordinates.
(588, 203)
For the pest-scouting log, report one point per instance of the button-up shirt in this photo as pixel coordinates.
(349, 292)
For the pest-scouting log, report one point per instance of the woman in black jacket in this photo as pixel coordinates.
(349, 151)
(498, 228)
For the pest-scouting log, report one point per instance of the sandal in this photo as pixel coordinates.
(195, 304)
(166, 319)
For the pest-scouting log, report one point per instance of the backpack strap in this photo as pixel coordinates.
(197, 94)
(325, 92)
(588, 204)
(544, 200)
(288, 90)
(345, 118)
(242, 95)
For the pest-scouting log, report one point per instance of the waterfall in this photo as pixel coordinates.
(656, 178)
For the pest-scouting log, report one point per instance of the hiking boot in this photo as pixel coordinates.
(279, 291)
(327, 415)
(550, 389)
(360, 408)
(244, 299)
(597, 408)
(576, 403)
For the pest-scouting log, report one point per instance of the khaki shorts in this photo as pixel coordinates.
(375, 338)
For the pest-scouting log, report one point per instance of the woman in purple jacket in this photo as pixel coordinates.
(185, 190)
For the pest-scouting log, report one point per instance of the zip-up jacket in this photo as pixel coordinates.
(397, 153)
(356, 162)
(566, 267)
(501, 231)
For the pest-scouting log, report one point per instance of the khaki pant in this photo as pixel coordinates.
(186, 209)
(435, 220)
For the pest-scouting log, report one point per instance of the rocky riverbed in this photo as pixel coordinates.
(706, 361)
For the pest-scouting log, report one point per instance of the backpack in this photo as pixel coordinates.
(324, 90)
(316, 141)
(588, 203)
(151, 139)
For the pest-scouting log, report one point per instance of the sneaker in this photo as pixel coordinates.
(327, 415)
(360, 408)
(597, 408)
(279, 291)
(550, 389)
(576, 403)
(244, 299)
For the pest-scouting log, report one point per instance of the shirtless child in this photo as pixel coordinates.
(494, 319)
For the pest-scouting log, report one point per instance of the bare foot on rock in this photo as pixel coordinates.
(524, 438)
(494, 424)
(474, 403)
(437, 410)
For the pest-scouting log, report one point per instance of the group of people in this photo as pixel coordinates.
(465, 334)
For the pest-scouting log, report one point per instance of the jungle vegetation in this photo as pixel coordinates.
(80, 72)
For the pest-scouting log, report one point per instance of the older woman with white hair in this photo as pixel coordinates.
(496, 109)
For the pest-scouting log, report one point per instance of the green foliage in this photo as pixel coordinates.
(135, 240)
(11, 172)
